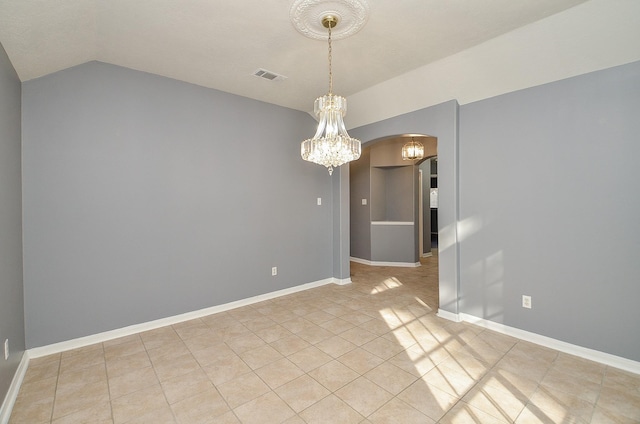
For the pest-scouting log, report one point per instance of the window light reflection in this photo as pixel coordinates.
(389, 283)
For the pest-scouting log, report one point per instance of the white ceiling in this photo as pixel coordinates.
(220, 43)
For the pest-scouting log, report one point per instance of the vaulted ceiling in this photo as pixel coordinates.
(221, 43)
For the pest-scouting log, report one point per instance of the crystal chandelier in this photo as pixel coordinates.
(331, 145)
(412, 150)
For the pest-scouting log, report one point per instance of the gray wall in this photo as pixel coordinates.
(11, 290)
(340, 206)
(549, 207)
(377, 194)
(145, 197)
(393, 243)
(398, 196)
(360, 219)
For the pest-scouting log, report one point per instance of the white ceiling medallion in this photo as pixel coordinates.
(306, 16)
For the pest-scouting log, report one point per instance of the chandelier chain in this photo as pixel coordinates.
(330, 73)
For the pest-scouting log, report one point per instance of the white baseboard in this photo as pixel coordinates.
(582, 352)
(163, 322)
(448, 315)
(342, 282)
(379, 263)
(14, 388)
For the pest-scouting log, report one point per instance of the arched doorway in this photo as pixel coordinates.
(390, 214)
(441, 121)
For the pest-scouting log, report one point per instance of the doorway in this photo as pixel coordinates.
(440, 120)
(428, 206)
(390, 210)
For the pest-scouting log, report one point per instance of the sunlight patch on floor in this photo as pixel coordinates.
(389, 283)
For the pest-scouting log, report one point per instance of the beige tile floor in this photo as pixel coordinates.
(370, 352)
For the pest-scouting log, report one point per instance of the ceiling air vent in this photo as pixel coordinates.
(268, 75)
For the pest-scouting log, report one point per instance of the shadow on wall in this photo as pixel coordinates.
(488, 274)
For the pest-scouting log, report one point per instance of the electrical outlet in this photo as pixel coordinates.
(526, 302)
(319, 201)
(6, 349)
(274, 271)
(364, 202)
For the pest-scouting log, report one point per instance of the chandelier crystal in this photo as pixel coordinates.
(412, 150)
(331, 146)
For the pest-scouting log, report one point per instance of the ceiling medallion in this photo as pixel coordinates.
(307, 15)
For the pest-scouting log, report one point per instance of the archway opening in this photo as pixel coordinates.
(390, 209)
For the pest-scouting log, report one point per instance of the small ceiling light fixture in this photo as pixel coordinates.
(331, 145)
(412, 150)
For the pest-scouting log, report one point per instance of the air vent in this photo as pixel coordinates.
(268, 75)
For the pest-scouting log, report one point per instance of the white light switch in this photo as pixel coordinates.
(364, 201)
(319, 201)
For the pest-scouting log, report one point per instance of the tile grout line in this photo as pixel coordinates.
(106, 373)
(175, 418)
(476, 382)
(55, 393)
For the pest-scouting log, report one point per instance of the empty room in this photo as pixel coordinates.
(194, 228)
